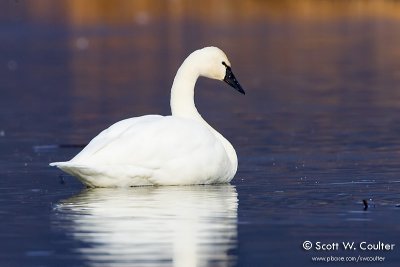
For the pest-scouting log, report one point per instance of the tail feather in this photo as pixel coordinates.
(106, 175)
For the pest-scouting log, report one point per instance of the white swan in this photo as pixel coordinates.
(181, 149)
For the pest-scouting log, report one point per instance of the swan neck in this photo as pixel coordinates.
(182, 92)
(182, 103)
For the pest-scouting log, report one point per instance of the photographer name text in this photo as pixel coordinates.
(349, 245)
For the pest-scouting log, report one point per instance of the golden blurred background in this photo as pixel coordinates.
(89, 12)
(123, 52)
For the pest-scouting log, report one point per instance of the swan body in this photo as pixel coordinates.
(180, 149)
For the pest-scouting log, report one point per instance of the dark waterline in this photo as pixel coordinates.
(316, 133)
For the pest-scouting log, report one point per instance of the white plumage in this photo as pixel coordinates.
(180, 149)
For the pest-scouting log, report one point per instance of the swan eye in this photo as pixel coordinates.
(226, 65)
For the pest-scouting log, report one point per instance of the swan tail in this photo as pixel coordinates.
(106, 175)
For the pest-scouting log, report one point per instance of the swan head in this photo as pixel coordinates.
(214, 64)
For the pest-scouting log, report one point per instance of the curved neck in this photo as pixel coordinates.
(182, 92)
(182, 103)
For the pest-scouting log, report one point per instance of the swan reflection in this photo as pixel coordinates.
(153, 226)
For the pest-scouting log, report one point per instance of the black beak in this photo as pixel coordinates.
(231, 80)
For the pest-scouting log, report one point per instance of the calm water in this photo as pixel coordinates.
(317, 132)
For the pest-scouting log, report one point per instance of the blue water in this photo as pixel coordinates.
(316, 134)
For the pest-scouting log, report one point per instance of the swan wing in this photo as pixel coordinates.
(111, 134)
(151, 150)
(150, 141)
